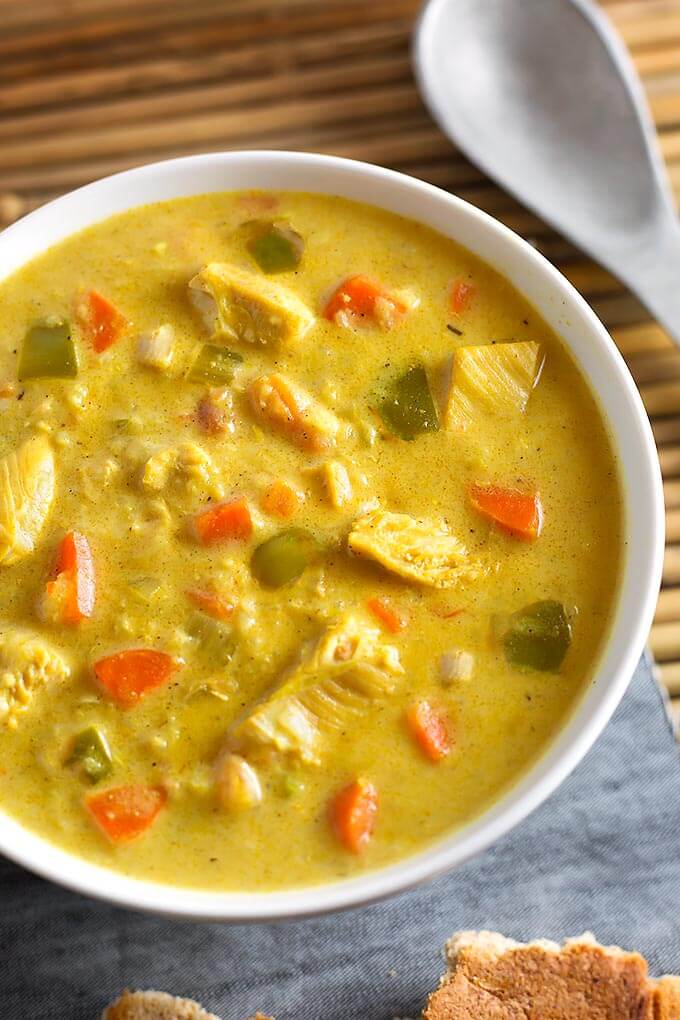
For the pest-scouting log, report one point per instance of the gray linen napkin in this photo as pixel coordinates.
(602, 853)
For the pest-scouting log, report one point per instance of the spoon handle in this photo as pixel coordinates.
(652, 271)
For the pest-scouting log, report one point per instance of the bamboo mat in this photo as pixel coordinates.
(88, 87)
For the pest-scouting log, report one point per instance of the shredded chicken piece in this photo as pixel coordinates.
(421, 551)
(27, 482)
(186, 462)
(26, 663)
(337, 483)
(456, 665)
(288, 408)
(239, 305)
(214, 413)
(347, 669)
(238, 785)
(492, 378)
(156, 349)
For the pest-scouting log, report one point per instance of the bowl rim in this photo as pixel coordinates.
(634, 446)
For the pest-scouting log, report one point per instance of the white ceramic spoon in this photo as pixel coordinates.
(543, 97)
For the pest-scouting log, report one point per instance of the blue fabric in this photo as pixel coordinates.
(602, 853)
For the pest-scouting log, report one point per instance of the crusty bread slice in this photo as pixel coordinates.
(155, 1006)
(494, 978)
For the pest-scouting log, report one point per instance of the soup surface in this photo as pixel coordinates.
(310, 533)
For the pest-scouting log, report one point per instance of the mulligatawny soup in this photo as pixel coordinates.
(310, 533)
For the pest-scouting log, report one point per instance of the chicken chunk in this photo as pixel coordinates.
(186, 463)
(238, 305)
(348, 668)
(287, 407)
(421, 551)
(493, 378)
(155, 349)
(337, 484)
(27, 480)
(26, 663)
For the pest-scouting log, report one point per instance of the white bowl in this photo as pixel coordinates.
(569, 315)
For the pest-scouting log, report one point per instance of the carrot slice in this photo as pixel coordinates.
(281, 500)
(519, 513)
(101, 321)
(124, 812)
(223, 523)
(391, 617)
(461, 295)
(363, 298)
(429, 729)
(353, 813)
(130, 675)
(73, 583)
(211, 603)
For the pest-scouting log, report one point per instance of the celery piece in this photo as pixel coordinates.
(275, 247)
(214, 365)
(48, 352)
(91, 753)
(284, 557)
(538, 637)
(409, 408)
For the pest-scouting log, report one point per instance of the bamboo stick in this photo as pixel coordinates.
(671, 492)
(60, 50)
(153, 72)
(665, 109)
(196, 21)
(619, 310)
(664, 640)
(641, 337)
(620, 9)
(589, 278)
(668, 606)
(398, 137)
(666, 430)
(673, 527)
(342, 78)
(657, 61)
(655, 366)
(669, 458)
(661, 398)
(669, 674)
(214, 126)
(669, 143)
(671, 565)
(650, 29)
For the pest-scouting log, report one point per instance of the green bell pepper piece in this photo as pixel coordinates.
(92, 755)
(409, 408)
(538, 637)
(275, 247)
(284, 558)
(144, 589)
(216, 639)
(289, 785)
(214, 365)
(48, 352)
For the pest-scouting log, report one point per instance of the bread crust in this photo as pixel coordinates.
(492, 978)
(155, 1006)
(664, 999)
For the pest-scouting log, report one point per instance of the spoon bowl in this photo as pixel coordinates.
(543, 97)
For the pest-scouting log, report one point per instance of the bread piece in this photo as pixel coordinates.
(494, 978)
(664, 999)
(155, 1006)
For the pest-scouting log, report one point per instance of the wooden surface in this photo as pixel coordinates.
(88, 87)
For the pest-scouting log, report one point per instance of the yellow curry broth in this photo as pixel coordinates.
(501, 718)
